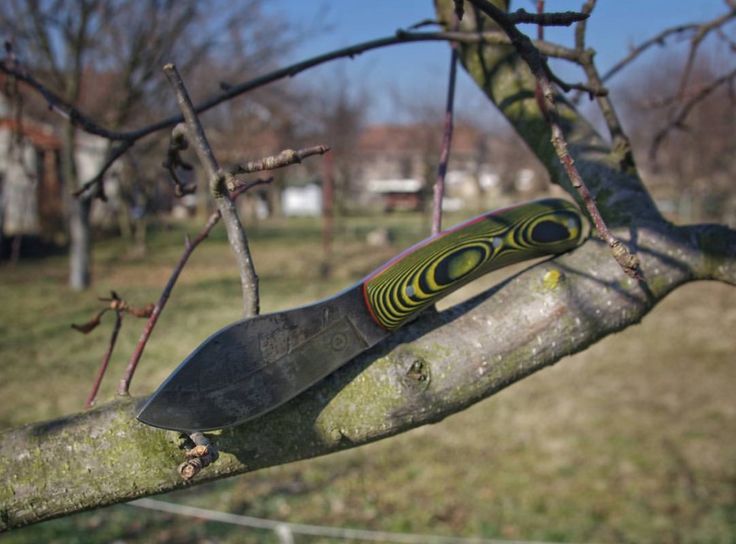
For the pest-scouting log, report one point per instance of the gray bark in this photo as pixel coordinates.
(80, 244)
(434, 367)
(78, 216)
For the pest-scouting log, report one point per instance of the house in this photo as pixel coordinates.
(397, 166)
(30, 180)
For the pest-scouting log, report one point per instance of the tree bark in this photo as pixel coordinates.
(434, 367)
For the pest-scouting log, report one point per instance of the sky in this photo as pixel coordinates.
(392, 77)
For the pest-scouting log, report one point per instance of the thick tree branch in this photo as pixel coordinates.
(499, 71)
(105, 456)
(546, 98)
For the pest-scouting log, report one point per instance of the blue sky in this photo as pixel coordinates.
(417, 72)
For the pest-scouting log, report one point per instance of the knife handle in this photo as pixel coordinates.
(400, 289)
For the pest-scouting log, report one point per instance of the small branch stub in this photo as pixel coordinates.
(200, 453)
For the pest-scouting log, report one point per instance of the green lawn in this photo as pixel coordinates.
(631, 441)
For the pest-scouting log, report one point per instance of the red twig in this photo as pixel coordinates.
(439, 186)
(189, 247)
(105, 360)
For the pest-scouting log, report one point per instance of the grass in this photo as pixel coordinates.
(632, 441)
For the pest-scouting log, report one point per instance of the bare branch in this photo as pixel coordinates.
(219, 181)
(537, 65)
(701, 32)
(439, 186)
(105, 360)
(128, 138)
(619, 138)
(564, 18)
(114, 153)
(658, 39)
(124, 385)
(678, 119)
(285, 158)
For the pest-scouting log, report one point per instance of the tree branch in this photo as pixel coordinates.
(683, 110)
(439, 185)
(128, 138)
(286, 158)
(547, 103)
(135, 357)
(105, 456)
(219, 182)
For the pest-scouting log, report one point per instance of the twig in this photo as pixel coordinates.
(105, 360)
(635, 52)
(120, 307)
(219, 181)
(701, 33)
(563, 18)
(439, 186)
(286, 158)
(619, 139)
(678, 120)
(189, 246)
(113, 155)
(243, 186)
(661, 37)
(178, 143)
(531, 55)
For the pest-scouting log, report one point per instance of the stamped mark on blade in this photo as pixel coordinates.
(319, 355)
(274, 345)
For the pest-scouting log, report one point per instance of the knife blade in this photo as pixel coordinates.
(255, 365)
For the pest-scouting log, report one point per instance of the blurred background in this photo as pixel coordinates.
(632, 441)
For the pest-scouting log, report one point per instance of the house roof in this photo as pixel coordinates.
(382, 138)
(39, 135)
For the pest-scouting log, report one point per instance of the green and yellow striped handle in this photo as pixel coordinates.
(424, 273)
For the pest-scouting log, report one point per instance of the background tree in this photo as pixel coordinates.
(105, 56)
(697, 185)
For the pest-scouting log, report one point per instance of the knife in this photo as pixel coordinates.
(254, 365)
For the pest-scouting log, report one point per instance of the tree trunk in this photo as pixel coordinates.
(80, 244)
(78, 210)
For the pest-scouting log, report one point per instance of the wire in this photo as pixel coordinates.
(312, 530)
